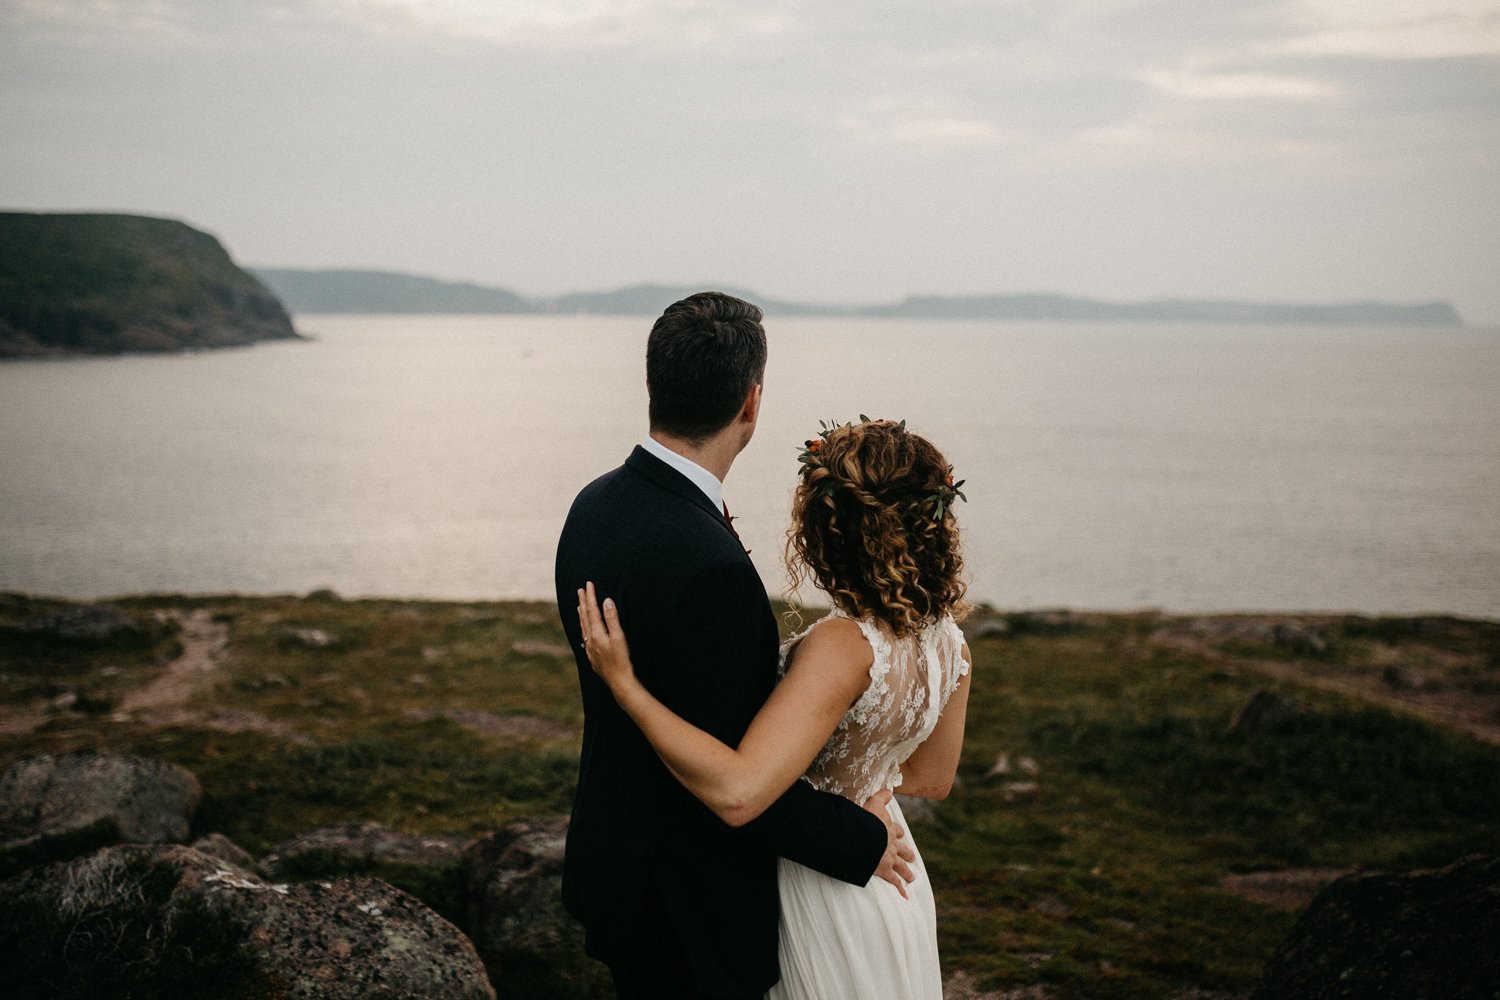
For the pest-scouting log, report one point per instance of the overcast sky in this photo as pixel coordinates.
(825, 150)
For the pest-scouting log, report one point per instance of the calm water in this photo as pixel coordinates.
(1108, 466)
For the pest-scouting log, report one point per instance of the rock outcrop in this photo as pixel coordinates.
(154, 921)
(82, 623)
(62, 627)
(427, 866)
(54, 807)
(1412, 934)
(106, 284)
(216, 845)
(1263, 709)
(362, 843)
(513, 885)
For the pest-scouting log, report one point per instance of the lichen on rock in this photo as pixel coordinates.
(170, 921)
(54, 807)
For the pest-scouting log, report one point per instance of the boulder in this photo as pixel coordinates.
(1411, 934)
(54, 807)
(429, 867)
(311, 638)
(83, 623)
(169, 921)
(1299, 638)
(976, 630)
(1408, 679)
(216, 845)
(76, 699)
(362, 843)
(513, 884)
(1263, 707)
(1222, 629)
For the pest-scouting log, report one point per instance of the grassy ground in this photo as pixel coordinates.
(1093, 865)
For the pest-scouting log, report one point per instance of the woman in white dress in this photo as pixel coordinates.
(872, 697)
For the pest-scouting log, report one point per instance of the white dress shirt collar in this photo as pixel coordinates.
(696, 474)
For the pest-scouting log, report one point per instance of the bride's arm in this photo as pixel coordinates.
(832, 670)
(928, 772)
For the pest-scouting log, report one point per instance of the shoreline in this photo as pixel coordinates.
(980, 606)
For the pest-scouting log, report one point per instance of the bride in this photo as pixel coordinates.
(872, 697)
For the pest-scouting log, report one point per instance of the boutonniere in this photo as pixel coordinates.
(729, 520)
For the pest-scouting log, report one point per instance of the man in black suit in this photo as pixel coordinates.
(675, 902)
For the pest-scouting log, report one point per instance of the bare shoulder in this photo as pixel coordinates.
(835, 643)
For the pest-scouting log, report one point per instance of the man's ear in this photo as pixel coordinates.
(751, 410)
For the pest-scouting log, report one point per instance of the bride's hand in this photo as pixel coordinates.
(603, 638)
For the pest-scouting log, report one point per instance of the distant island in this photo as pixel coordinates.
(111, 284)
(355, 291)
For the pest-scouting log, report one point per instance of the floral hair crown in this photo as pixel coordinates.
(942, 500)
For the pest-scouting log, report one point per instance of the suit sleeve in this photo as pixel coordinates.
(715, 676)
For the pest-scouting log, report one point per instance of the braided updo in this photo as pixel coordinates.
(871, 528)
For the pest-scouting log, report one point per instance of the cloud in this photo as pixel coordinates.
(1393, 29)
(651, 27)
(931, 133)
(1201, 86)
(551, 143)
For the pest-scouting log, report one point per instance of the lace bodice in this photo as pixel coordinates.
(910, 682)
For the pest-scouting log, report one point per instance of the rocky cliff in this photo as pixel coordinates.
(109, 284)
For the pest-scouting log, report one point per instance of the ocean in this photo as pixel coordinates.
(1108, 466)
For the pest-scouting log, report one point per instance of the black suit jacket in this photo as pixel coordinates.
(645, 858)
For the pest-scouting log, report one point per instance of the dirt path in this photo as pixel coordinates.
(164, 701)
(16, 720)
(1449, 709)
(1445, 704)
(161, 700)
(205, 643)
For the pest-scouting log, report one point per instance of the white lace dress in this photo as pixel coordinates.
(866, 942)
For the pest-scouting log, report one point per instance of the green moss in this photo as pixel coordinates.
(430, 778)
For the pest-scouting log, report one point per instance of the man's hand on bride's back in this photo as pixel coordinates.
(603, 638)
(895, 863)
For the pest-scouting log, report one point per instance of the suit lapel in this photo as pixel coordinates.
(669, 479)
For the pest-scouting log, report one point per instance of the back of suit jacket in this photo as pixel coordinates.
(643, 856)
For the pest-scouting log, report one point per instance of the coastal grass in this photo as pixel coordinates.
(1103, 797)
(1105, 879)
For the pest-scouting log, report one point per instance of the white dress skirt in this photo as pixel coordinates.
(849, 942)
(852, 942)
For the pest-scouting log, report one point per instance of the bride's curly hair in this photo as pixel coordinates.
(872, 528)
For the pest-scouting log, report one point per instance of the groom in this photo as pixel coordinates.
(676, 903)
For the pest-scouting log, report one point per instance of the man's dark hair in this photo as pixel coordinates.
(703, 356)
